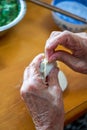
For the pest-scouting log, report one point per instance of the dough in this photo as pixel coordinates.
(45, 69)
(62, 80)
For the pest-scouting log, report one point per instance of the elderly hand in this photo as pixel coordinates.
(44, 101)
(75, 42)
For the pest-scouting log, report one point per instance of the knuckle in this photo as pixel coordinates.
(66, 32)
(27, 87)
(22, 92)
(26, 73)
(53, 32)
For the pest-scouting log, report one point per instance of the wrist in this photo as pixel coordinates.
(55, 127)
(54, 123)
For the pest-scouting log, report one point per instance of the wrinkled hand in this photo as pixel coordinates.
(44, 101)
(75, 42)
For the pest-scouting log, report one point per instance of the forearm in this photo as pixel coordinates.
(56, 127)
(50, 128)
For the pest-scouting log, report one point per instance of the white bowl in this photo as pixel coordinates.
(21, 14)
(67, 25)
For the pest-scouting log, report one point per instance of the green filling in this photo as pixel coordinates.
(9, 10)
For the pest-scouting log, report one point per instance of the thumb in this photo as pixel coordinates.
(53, 77)
(67, 58)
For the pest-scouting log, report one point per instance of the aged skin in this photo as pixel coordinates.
(75, 42)
(44, 101)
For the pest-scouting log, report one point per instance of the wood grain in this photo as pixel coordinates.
(17, 48)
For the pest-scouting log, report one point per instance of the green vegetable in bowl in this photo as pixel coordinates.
(9, 10)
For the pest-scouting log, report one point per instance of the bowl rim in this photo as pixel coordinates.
(18, 18)
(79, 25)
(68, 23)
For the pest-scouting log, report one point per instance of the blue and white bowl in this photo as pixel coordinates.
(77, 7)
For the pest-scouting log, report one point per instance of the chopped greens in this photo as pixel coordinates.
(9, 10)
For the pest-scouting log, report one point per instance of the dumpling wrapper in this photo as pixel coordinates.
(45, 69)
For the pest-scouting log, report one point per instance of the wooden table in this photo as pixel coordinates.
(17, 48)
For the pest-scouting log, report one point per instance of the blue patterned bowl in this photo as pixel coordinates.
(77, 7)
